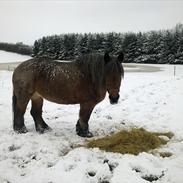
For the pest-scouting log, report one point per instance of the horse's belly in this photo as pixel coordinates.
(60, 100)
(66, 97)
(65, 92)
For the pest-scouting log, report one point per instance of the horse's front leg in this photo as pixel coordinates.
(82, 127)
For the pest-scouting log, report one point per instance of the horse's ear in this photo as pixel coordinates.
(106, 58)
(121, 57)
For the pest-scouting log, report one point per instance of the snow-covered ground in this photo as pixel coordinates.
(150, 100)
(8, 57)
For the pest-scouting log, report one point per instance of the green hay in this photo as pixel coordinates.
(132, 142)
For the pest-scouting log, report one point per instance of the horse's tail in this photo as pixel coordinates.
(14, 103)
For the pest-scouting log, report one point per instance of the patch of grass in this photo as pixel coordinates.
(132, 142)
(13, 148)
(165, 154)
(92, 173)
(152, 178)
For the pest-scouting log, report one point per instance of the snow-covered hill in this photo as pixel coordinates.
(8, 57)
(149, 100)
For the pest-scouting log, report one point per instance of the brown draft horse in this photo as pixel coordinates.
(83, 81)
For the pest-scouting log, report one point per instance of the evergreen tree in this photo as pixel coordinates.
(82, 44)
(150, 47)
(129, 47)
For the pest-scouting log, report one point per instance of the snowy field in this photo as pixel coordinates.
(9, 57)
(152, 100)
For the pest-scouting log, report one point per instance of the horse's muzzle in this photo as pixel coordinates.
(113, 99)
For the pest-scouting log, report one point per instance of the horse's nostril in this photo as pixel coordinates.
(114, 100)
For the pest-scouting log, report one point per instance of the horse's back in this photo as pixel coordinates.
(53, 80)
(32, 67)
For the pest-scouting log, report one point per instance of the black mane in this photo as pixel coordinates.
(94, 64)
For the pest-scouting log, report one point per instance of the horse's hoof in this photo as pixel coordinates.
(48, 129)
(87, 134)
(21, 130)
(42, 130)
(83, 132)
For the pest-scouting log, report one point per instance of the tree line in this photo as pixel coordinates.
(163, 46)
(17, 48)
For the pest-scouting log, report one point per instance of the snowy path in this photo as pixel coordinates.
(149, 100)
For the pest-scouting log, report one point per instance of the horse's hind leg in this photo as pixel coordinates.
(36, 112)
(19, 108)
(82, 127)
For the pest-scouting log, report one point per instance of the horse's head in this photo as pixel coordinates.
(113, 72)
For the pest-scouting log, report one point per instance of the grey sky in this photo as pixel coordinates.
(31, 19)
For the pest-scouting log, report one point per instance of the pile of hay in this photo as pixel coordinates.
(132, 142)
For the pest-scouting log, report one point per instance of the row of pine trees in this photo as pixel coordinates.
(17, 48)
(164, 46)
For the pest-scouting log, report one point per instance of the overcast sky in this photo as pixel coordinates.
(27, 20)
